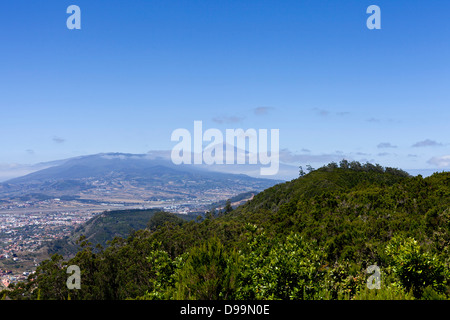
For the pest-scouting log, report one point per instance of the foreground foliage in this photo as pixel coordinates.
(311, 238)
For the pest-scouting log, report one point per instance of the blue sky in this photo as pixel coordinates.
(137, 70)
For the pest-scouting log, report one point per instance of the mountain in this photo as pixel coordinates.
(114, 164)
(119, 177)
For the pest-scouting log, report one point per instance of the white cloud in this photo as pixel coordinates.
(441, 162)
(427, 143)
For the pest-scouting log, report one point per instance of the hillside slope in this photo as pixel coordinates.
(105, 227)
(310, 238)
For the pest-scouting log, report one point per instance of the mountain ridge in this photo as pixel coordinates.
(128, 178)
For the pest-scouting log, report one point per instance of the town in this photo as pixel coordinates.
(25, 227)
(22, 236)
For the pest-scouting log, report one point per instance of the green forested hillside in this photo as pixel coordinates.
(310, 238)
(108, 225)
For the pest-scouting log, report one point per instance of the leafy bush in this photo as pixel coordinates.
(384, 293)
(415, 268)
(164, 268)
(288, 269)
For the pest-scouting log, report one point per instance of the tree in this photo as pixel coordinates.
(344, 164)
(301, 172)
(163, 277)
(51, 278)
(209, 273)
(228, 208)
(161, 218)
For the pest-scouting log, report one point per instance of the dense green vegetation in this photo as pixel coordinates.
(106, 226)
(310, 238)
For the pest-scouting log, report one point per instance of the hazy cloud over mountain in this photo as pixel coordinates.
(159, 154)
(13, 170)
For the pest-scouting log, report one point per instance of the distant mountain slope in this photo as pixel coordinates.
(117, 164)
(129, 176)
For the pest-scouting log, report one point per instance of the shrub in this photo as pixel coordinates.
(415, 268)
